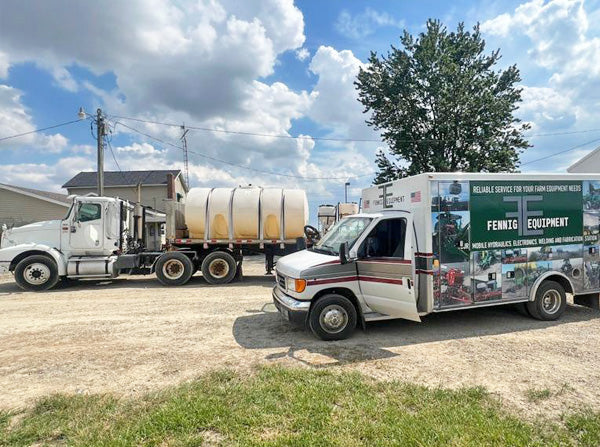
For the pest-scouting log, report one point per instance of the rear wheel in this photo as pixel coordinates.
(174, 269)
(333, 317)
(219, 267)
(550, 301)
(36, 273)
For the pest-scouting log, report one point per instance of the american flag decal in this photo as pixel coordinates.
(415, 197)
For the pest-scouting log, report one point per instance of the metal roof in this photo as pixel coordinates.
(123, 178)
(55, 197)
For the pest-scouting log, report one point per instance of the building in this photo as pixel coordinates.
(154, 186)
(588, 164)
(20, 206)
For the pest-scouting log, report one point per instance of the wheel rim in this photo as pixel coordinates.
(173, 269)
(551, 301)
(36, 273)
(333, 319)
(218, 268)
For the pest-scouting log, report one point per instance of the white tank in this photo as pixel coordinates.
(347, 209)
(246, 213)
(326, 216)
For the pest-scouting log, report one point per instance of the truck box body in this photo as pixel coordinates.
(484, 239)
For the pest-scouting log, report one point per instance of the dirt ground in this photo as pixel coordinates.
(132, 335)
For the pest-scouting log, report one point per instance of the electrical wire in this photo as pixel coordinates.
(561, 152)
(307, 137)
(39, 130)
(152, 137)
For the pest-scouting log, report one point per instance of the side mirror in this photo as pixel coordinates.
(344, 253)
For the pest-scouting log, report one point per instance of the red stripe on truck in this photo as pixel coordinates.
(318, 282)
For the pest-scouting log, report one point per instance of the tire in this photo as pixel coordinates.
(339, 311)
(219, 267)
(549, 303)
(174, 269)
(36, 273)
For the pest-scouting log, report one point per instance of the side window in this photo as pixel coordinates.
(89, 211)
(386, 240)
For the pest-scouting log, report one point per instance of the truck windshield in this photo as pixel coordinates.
(346, 230)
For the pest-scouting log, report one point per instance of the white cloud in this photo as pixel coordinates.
(4, 65)
(49, 177)
(64, 79)
(364, 24)
(15, 119)
(302, 54)
(202, 63)
(559, 57)
(336, 105)
(137, 148)
(546, 108)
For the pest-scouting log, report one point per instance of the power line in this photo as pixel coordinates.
(39, 130)
(253, 134)
(561, 152)
(307, 137)
(235, 164)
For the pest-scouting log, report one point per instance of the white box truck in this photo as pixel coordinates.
(102, 237)
(448, 241)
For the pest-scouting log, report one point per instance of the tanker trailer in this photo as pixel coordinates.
(216, 227)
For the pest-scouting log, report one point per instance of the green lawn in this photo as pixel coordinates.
(296, 407)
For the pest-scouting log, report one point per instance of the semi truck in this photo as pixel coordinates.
(102, 237)
(440, 242)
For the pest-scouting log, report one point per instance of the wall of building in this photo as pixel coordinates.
(19, 209)
(152, 196)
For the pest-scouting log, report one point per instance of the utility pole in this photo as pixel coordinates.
(185, 155)
(100, 132)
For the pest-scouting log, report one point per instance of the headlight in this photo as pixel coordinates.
(295, 285)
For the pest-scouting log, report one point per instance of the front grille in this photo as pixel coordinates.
(281, 280)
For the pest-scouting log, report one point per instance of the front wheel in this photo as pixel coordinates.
(36, 273)
(174, 269)
(550, 301)
(333, 317)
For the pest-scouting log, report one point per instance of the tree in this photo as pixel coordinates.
(441, 105)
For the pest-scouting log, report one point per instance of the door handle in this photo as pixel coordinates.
(408, 283)
(73, 229)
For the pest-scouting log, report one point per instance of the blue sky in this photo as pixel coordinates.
(268, 67)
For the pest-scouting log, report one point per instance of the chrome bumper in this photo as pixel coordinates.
(290, 308)
(288, 302)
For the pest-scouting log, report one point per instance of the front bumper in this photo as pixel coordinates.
(290, 308)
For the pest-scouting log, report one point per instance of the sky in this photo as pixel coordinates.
(267, 67)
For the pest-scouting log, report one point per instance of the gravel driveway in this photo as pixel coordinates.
(132, 335)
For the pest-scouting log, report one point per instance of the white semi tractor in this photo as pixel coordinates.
(101, 237)
(449, 241)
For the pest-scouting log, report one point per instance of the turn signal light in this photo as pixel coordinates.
(300, 285)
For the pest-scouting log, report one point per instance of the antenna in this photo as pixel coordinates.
(185, 155)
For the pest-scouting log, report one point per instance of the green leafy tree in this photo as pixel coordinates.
(441, 105)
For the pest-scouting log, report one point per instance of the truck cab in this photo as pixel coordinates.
(361, 270)
(83, 244)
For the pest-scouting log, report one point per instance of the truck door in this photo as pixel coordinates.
(385, 271)
(87, 229)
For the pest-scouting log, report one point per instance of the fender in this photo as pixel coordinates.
(544, 276)
(9, 254)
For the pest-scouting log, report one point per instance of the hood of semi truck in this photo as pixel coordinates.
(46, 232)
(293, 265)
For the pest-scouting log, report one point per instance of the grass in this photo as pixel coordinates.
(536, 395)
(289, 407)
